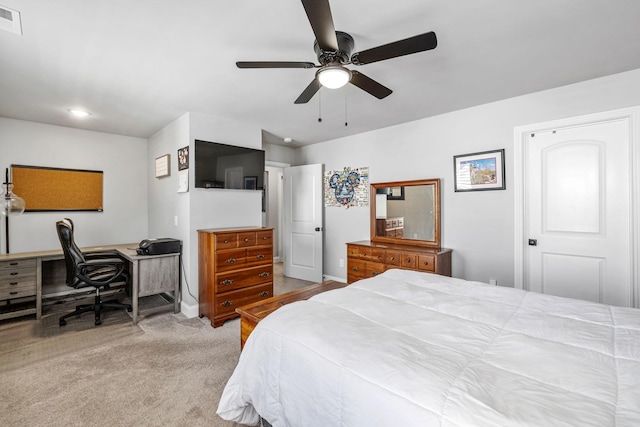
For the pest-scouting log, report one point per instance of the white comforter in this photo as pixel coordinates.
(415, 349)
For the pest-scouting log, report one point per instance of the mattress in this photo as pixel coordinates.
(416, 349)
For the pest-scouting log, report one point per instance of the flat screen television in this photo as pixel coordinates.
(228, 167)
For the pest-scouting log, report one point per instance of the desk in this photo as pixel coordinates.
(28, 278)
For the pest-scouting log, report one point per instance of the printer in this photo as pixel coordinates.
(159, 246)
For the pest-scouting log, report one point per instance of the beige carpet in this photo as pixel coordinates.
(167, 371)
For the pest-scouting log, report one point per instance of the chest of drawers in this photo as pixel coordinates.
(18, 287)
(235, 268)
(367, 259)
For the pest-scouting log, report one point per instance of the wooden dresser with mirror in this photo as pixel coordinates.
(416, 205)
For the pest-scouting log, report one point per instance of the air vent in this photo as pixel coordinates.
(10, 20)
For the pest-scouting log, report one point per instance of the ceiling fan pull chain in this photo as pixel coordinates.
(320, 106)
(346, 122)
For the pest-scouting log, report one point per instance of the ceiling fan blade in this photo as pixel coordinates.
(308, 93)
(369, 85)
(319, 14)
(274, 64)
(408, 46)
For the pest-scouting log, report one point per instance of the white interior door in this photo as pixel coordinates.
(578, 212)
(303, 228)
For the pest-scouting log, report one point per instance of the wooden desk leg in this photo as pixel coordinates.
(135, 285)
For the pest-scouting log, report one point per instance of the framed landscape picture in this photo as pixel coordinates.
(479, 171)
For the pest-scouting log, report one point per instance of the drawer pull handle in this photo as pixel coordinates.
(13, 283)
(226, 282)
(226, 303)
(264, 294)
(231, 260)
(408, 260)
(13, 263)
(264, 274)
(246, 240)
(374, 273)
(260, 256)
(226, 241)
(13, 293)
(426, 263)
(355, 269)
(14, 273)
(393, 258)
(265, 238)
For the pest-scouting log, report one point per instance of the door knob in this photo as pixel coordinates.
(533, 242)
(318, 228)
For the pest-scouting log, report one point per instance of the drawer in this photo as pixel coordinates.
(399, 232)
(426, 263)
(372, 269)
(17, 291)
(356, 268)
(246, 239)
(364, 252)
(400, 222)
(227, 260)
(394, 223)
(409, 260)
(226, 241)
(229, 301)
(353, 251)
(377, 255)
(392, 257)
(14, 274)
(264, 237)
(241, 279)
(18, 263)
(260, 255)
(22, 282)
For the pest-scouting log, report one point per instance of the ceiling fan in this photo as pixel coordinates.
(333, 49)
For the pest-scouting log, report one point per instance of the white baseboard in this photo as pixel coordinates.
(189, 310)
(337, 279)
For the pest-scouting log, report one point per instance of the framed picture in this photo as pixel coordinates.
(479, 171)
(162, 166)
(250, 182)
(183, 158)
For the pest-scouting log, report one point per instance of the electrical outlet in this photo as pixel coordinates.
(341, 263)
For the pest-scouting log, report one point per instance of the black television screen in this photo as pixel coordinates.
(227, 166)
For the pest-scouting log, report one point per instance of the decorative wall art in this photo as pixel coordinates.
(347, 187)
(183, 169)
(479, 171)
(162, 166)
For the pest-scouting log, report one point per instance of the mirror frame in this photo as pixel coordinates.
(435, 243)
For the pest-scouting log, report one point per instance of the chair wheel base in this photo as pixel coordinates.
(129, 309)
(62, 322)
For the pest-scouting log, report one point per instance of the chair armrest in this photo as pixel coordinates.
(101, 272)
(101, 254)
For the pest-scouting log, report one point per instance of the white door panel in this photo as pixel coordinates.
(577, 201)
(303, 222)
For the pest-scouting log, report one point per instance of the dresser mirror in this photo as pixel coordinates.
(406, 212)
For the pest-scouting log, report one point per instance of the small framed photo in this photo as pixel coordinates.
(250, 182)
(183, 158)
(162, 166)
(479, 171)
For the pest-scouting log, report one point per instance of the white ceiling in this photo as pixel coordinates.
(138, 65)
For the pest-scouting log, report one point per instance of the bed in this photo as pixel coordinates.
(416, 349)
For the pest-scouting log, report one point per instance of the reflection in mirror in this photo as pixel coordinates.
(406, 212)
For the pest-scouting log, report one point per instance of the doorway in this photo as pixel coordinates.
(576, 208)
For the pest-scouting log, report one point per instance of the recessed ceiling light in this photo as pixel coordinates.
(288, 140)
(79, 113)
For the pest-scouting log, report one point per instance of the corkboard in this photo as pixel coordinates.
(55, 189)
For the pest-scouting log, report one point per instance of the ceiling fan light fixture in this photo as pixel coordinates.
(333, 76)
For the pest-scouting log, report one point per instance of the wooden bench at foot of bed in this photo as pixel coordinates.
(252, 314)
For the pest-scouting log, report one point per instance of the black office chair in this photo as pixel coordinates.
(99, 270)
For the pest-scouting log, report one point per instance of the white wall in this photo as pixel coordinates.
(199, 208)
(478, 226)
(121, 158)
